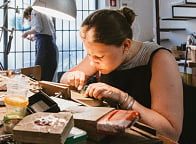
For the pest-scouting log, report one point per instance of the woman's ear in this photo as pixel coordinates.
(126, 45)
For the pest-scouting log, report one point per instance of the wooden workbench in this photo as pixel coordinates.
(134, 135)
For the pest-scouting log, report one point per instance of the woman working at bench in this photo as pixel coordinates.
(142, 76)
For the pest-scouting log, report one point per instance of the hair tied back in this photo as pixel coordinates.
(128, 13)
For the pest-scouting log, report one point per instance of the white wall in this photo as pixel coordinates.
(143, 25)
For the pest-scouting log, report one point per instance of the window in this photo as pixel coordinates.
(22, 53)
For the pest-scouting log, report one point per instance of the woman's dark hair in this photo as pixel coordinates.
(112, 27)
(27, 12)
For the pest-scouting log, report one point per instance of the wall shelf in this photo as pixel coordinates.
(189, 5)
(190, 1)
(163, 40)
(177, 18)
(178, 10)
(171, 29)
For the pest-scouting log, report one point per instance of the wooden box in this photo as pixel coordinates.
(44, 128)
(86, 118)
(51, 88)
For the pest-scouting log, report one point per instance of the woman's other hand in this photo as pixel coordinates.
(102, 90)
(74, 78)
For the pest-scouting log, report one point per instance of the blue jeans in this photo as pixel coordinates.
(46, 56)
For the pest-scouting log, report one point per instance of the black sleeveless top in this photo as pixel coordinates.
(134, 78)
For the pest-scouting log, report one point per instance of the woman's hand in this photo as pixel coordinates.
(31, 38)
(29, 32)
(74, 78)
(24, 35)
(102, 90)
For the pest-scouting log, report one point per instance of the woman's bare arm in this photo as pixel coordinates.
(166, 113)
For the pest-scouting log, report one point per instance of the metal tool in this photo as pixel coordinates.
(82, 91)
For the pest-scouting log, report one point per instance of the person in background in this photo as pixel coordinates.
(134, 75)
(42, 29)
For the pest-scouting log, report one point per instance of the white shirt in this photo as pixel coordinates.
(42, 23)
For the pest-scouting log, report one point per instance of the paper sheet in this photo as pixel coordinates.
(64, 104)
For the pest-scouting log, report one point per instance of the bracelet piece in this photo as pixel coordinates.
(129, 107)
(126, 98)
